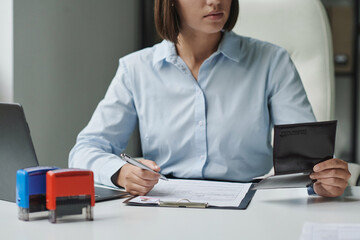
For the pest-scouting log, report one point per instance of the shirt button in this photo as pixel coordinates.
(201, 123)
(202, 157)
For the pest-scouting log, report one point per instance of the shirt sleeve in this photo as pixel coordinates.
(287, 100)
(100, 143)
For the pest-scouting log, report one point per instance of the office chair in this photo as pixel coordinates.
(302, 28)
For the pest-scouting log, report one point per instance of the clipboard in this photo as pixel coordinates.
(186, 203)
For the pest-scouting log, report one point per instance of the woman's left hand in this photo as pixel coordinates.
(332, 176)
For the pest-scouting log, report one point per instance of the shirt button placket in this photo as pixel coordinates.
(200, 132)
(200, 124)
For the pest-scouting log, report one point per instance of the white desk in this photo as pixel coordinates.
(272, 214)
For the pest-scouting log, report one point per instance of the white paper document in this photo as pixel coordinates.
(219, 194)
(317, 231)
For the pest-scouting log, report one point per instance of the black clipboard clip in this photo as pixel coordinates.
(186, 203)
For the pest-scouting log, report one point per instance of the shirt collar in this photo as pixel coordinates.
(164, 51)
(229, 47)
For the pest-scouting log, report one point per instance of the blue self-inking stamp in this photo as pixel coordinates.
(31, 190)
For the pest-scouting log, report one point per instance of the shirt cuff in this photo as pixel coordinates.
(108, 171)
(310, 190)
(115, 177)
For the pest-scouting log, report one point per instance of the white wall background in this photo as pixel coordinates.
(6, 50)
(65, 55)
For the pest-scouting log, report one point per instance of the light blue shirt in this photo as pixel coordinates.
(218, 127)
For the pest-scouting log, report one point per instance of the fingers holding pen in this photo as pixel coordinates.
(138, 181)
(151, 164)
(144, 178)
(136, 189)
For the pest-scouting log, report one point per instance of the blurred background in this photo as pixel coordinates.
(58, 57)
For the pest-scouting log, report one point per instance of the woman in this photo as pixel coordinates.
(205, 100)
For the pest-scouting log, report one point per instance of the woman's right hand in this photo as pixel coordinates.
(137, 181)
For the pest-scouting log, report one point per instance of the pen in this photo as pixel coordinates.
(137, 163)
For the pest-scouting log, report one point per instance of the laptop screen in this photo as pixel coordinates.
(16, 148)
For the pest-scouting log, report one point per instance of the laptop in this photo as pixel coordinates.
(17, 151)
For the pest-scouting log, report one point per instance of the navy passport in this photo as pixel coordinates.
(297, 149)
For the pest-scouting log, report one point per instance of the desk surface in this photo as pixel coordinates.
(272, 214)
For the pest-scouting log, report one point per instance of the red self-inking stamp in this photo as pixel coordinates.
(68, 192)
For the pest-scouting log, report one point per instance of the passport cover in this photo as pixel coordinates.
(299, 147)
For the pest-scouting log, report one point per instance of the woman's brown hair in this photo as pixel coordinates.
(167, 20)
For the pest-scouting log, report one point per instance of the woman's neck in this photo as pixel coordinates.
(194, 48)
